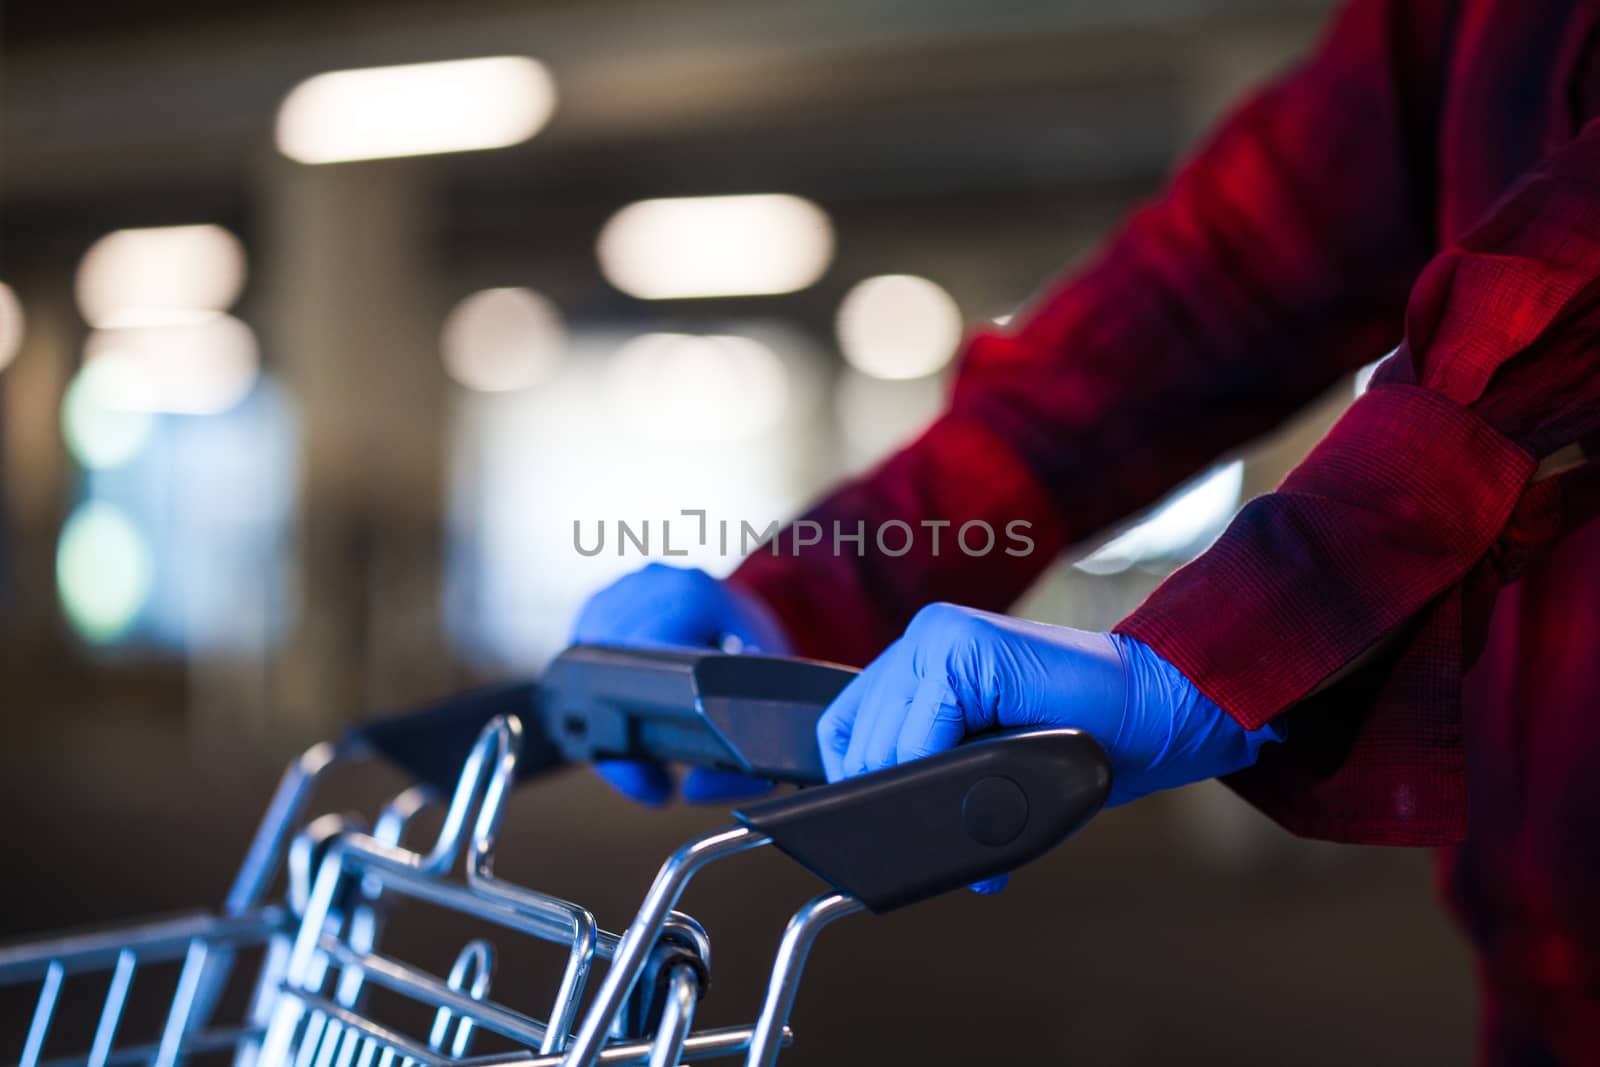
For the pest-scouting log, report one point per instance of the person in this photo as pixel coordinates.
(1401, 645)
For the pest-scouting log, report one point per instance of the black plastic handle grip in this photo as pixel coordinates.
(431, 743)
(753, 714)
(923, 828)
(889, 839)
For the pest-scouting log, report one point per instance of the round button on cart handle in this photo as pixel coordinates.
(994, 811)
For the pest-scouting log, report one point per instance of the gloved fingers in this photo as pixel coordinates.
(657, 603)
(990, 886)
(892, 700)
(707, 785)
(678, 606)
(886, 691)
(936, 720)
(647, 783)
(656, 618)
(836, 724)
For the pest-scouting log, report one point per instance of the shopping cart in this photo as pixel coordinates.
(880, 842)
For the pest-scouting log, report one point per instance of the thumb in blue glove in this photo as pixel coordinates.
(958, 671)
(675, 607)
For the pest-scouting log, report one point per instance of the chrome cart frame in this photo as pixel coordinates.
(881, 841)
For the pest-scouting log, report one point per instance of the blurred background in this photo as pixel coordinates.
(292, 432)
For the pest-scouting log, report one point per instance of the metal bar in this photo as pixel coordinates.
(255, 876)
(277, 823)
(705, 1045)
(347, 1048)
(471, 972)
(163, 939)
(636, 943)
(585, 941)
(197, 1044)
(310, 1037)
(532, 916)
(495, 756)
(771, 1030)
(392, 1040)
(177, 1025)
(111, 1012)
(43, 1011)
(424, 987)
(332, 1034)
(677, 1013)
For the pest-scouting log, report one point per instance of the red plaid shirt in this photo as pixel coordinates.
(1427, 173)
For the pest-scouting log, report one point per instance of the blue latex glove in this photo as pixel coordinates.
(675, 607)
(957, 671)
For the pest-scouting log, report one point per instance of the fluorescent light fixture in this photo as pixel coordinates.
(707, 388)
(415, 110)
(200, 364)
(497, 340)
(145, 275)
(12, 325)
(1179, 529)
(711, 246)
(103, 571)
(899, 326)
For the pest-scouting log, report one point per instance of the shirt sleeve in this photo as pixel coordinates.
(1277, 259)
(1413, 488)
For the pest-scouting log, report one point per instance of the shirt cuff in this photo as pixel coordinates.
(1391, 509)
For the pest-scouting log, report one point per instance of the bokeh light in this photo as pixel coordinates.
(497, 340)
(1363, 378)
(138, 277)
(716, 246)
(99, 434)
(12, 325)
(416, 109)
(197, 364)
(1179, 529)
(687, 387)
(899, 326)
(103, 571)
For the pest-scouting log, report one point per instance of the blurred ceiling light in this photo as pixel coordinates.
(418, 109)
(133, 276)
(99, 434)
(716, 246)
(714, 388)
(899, 326)
(497, 340)
(1178, 529)
(103, 571)
(200, 364)
(12, 325)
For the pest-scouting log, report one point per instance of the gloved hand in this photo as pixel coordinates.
(958, 671)
(662, 606)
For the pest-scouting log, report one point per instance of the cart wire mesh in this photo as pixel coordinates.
(321, 953)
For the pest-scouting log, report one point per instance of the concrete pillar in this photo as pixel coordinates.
(33, 468)
(351, 328)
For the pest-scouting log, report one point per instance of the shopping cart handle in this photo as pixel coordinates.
(926, 827)
(431, 743)
(753, 714)
(756, 715)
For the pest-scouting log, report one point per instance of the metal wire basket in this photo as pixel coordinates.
(881, 841)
